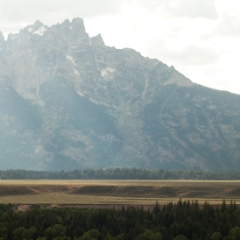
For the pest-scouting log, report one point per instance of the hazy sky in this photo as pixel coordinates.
(200, 38)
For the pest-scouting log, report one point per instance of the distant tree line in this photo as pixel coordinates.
(181, 221)
(121, 174)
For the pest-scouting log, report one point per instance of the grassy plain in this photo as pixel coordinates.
(97, 193)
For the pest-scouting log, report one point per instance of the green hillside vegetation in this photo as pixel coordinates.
(121, 174)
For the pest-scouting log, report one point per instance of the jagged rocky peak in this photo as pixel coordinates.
(65, 27)
(77, 25)
(12, 36)
(2, 40)
(37, 24)
(37, 28)
(98, 40)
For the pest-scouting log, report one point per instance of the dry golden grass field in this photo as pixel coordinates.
(97, 193)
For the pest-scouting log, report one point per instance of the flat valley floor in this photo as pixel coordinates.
(113, 193)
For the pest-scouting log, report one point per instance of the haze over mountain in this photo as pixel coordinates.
(68, 101)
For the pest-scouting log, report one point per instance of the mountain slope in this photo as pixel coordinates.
(68, 101)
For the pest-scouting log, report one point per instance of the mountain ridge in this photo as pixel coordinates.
(71, 102)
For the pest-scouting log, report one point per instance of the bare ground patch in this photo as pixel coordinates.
(115, 192)
(128, 191)
(15, 190)
(168, 191)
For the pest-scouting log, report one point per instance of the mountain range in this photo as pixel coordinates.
(68, 102)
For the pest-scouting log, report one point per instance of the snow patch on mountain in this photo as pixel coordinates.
(107, 71)
(70, 58)
(40, 31)
(79, 93)
(30, 29)
(76, 72)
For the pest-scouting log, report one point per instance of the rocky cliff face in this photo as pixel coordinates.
(68, 101)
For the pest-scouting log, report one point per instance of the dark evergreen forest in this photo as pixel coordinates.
(180, 221)
(121, 174)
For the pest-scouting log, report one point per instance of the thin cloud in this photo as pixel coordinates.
(183, 8)
(193, 8)
(229, 26)
(195, 55)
